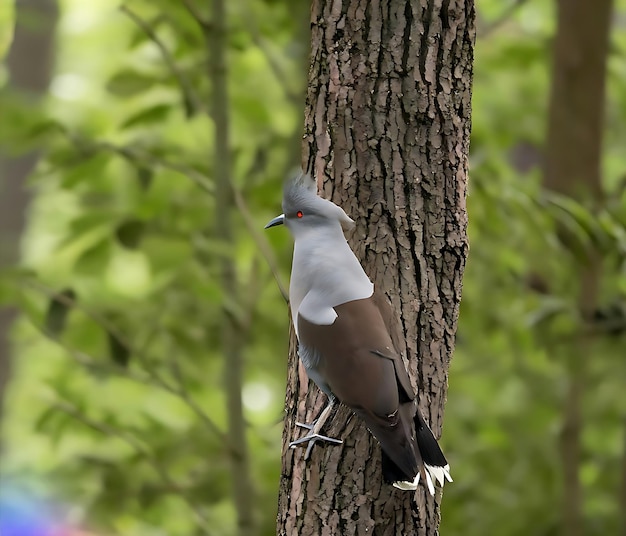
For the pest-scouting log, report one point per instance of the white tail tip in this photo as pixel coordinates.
(405, 485)
(440, 474)
(433, 474)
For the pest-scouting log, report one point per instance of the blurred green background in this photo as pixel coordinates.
(116, 405)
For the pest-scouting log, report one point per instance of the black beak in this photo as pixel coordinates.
(278, 220)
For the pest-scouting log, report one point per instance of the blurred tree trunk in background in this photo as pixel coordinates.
(622, 497)
(387, 126)
(573, 168)
(231, 337)
(29, 64)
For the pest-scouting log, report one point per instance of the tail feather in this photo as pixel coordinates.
(427, 444)
(391, 472)
(432, 464)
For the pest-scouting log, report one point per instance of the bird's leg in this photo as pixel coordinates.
(315, 428)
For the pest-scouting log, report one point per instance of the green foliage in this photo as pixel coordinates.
(7, 18)
(519, 320)
(118, 404)
(124, 371)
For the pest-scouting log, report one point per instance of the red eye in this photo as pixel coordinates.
(299, 214)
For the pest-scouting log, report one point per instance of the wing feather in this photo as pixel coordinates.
(357, 360)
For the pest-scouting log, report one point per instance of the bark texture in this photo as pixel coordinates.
(387, 126)
(573, 168)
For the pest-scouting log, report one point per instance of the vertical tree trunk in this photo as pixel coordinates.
(622, 497)
(573, 167)
(231, 340)
(29, 63)
(387, 126)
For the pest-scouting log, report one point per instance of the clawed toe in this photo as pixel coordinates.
(311, 439)
(314, 434)
(305, 425)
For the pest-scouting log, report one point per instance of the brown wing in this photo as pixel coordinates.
(357, 360)
(395, 331)
(353, 356)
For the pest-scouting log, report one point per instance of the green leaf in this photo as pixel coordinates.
(53, 423)
(148, 116)
(549, 309)
(128, 83)
(614, 229)
(42, 423)
(90, 167)
(7, 19)
(139, 36)
(94, 259)
(576, 226)
(44, 128)
(129, 233)
(59, 308)
(117, 350)
(145, 176)
(89, 221)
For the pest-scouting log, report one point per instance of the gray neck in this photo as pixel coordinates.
(325, 273)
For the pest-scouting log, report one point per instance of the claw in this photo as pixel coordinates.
(315, 436)
(305, 425)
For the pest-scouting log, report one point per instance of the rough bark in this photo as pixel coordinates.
(387, 127)
(573, 167)
(29, 64)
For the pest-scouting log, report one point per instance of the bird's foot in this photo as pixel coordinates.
(314, 436)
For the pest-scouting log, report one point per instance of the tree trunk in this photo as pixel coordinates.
(573, 167)
(29, 65)
(576, 112)
(231, 338)
(622, 497)
(387, 126)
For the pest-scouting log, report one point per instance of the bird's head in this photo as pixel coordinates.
(304, 210)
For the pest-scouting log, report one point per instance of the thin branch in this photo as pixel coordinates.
(192, 102)
(279, 73)
(183, 393)
(252, 291)
(142, 451)
(261, 242)
(230, 339)
(72, 303)
(179, 391)
(507, 14)
(195, 14)
(203, 182)
(135, 155)
(606, 329)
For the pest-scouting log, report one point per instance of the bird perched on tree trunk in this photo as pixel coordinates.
(345, 333)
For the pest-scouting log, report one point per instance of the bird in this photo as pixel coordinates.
(345, 330)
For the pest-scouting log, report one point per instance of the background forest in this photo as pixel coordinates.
(117, 410)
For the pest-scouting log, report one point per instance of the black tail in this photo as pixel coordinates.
(392, 473)
(431, 463)
(427, 444)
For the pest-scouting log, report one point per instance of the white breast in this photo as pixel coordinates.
(325, 273)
